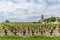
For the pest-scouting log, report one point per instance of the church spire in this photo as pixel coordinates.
(42, 18)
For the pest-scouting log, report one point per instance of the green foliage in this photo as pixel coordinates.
(52, 19)
(7, 21)
(28, 38)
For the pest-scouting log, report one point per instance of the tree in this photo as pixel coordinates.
(7, 21)
(52, 19)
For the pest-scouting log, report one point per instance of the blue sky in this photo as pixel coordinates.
(28, 10)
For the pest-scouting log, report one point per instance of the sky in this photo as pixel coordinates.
(28, 10)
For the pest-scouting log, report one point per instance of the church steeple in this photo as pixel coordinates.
(42, 18)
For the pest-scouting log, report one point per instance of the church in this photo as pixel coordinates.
(42, 20)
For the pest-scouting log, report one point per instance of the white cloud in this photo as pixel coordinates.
(53, 1)
(53, 10)
(7, 6)
(23, 10)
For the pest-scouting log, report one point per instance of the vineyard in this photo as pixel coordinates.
(29, 29)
